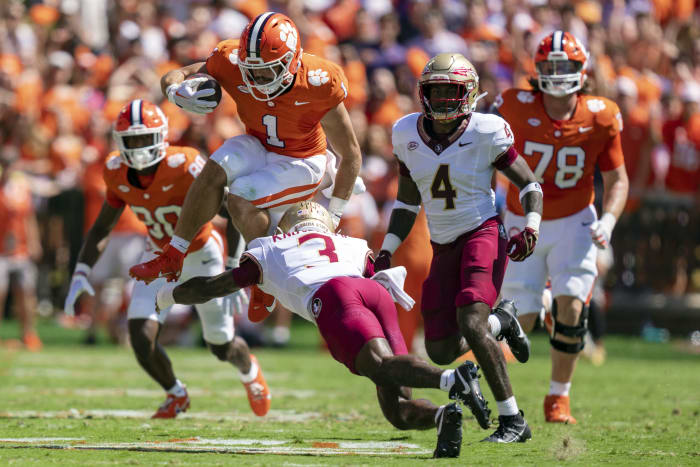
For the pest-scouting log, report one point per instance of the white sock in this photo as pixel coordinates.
(179, 243)
(251, 375)
(507, 407)
(559, 389)
(178, 390)
(447, 379)
(495, 325)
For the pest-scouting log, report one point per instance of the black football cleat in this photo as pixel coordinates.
(511, 429)
(467, 389)
(449, 430)
(513, 333)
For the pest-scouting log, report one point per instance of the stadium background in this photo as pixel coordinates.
(68, 66)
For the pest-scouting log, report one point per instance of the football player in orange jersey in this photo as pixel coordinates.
(563, 134)
(289, 102)
(152, 178)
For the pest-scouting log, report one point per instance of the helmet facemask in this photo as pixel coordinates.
(142, 147)
(280, 76)
(454, 104)
(559, 76)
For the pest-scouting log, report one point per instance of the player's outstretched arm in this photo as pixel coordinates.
(89, 253)
(522, 245)
(201, 289)
(180, 75)
(338, 128)
(403, 216)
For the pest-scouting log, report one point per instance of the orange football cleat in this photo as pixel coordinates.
(258, 392)
(32, 342)
(172, 406)
(261, 305)
(167, 264)
(556, 409)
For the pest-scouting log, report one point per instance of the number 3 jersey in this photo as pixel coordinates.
(562, 154)
(454, 175)
(157, 205)
(294, 266)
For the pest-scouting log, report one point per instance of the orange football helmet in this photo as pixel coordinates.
(269, 46)
(561, 61)
(140, 132)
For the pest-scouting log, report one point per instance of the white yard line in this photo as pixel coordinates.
(230, 446)
(273, 415)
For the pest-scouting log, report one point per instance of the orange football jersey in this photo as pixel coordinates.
(562, 154)
(290, 124)
(158, 205)
(15, 209)
(683, 142)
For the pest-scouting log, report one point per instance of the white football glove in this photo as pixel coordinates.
(601, 230)
(186, 96)
(79, 283)
(237, 302)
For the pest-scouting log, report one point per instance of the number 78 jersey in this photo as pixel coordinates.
(562, 154)
(294, 266)
(453, 176)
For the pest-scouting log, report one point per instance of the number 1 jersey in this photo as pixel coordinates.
(294, 266)
(453, 176)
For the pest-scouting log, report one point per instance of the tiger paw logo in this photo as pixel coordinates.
(318, 77)
(526, 97)
(595, 105)
(288, 35)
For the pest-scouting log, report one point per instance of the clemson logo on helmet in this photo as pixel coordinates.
(288, 35)
(318, 77)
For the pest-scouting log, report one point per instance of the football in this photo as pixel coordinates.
(210, 83)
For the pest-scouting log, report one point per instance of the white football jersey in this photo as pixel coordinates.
(295, 265)
(454, 181)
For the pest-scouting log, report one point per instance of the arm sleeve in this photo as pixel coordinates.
(114, 200)
(611, 157)
(502, 141)
(339, 86)
(221, 58)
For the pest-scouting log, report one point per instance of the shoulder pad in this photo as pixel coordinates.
(403, 126)
(487, 123)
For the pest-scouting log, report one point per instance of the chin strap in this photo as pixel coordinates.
(478, 98)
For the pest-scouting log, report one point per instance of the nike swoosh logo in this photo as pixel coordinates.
(586, 223)
(465, 144)
(300, 103)
(271, 308)
(583, 129)
(167, 187)
(208, 261)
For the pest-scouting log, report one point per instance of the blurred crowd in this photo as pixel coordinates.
(68, 66)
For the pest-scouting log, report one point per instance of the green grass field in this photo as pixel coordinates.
(72, 405)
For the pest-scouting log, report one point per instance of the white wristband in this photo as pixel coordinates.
(337, 205)
(232, 263)
(391, 243)
(534, 186)
(608, 220)
(165, 298)
(408, 207)
(82, 268)
(532, 220)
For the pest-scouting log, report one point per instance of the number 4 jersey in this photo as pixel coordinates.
(157, 200)
(454, 175)
(562, 154)
(293, 266)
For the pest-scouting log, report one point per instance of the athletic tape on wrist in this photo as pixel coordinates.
(391, 243)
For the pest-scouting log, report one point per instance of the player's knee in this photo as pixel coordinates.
(223, 352)
(396, 418)
(440, 353)
(568, 338)
(473, 320)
